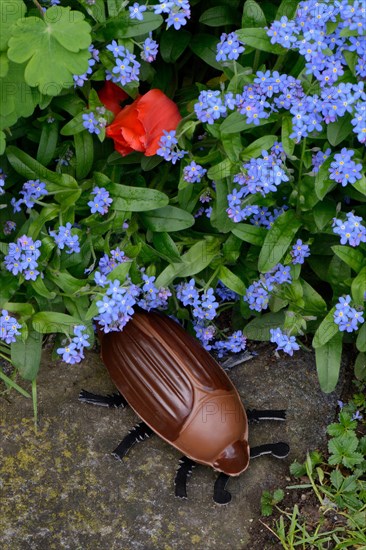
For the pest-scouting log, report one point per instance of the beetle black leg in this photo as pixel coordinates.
(255, 416)
(184, 471)
(221, 495)
(140, 432)
(112, 400)
(279, 450)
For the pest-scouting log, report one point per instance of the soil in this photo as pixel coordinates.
(61, 488)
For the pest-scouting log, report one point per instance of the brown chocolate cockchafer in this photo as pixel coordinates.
(182, 394)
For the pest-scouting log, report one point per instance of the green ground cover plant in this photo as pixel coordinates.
(205, 158)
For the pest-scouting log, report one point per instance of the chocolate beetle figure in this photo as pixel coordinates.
(182, 394)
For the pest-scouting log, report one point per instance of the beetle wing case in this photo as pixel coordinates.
(177, 388)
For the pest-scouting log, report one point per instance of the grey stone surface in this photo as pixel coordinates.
(61, 488)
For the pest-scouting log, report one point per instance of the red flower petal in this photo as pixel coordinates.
(112, 96)
(157, 113)
(127, 131)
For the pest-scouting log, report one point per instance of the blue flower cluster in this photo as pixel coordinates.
(346, 317)
(9, 327)
(318, 159)
(229, 47)
(265, 218)
(32, 191)
(79, 80)
(93, 124)
(204, 306)
(177, 11)
(2, 181)
(284, 342)
(152, 296)
(150, 50)
(22, 257)
(193, 173)
(126, 69)
(234, 343)
(225, 293)
(343, 169)
(9, 226)
(108, 263)
(63, 238)
(299, 252)
(261, 175)
(101, 201)
(168, 147)
(210, 106)
(258, 293)
(352, 231)
(73, 352)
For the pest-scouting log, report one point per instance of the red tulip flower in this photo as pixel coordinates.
(112, 96)
(139, 126)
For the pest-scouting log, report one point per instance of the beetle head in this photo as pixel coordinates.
(234, 459)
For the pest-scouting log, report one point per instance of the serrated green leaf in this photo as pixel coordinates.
(278, 239)
(326, 330)
(336, 479)
(26, 356)
(258, 39)
(4, 64)
(10, 12)
(168, 218)
(219, 15)
(17, 98)
(136, 199)
(55, 48)
(328, 362)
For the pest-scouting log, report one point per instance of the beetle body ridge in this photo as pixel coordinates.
(178, 389)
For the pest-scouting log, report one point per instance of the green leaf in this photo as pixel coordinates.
(204, 45)
(231, 280)
(17, 98)
(9, 382)
(286, 129)
(352, 257)
(338, 131)
(258, 39)
(259, 327)
(322, 182)
(136, 199)
(84, 151)
(168, 218)
(55, 48)
(173, 44)
(74, 126)
(361, 338)
(232, 146)
(278, 239)
(360, 365)
(287, 8)
(124, 27)
(314, 304)
(20, 308)
(10, 12)
(323, 213)
(199, 256)
(222, 170)
(69, 284)
(250, 233)
(328, 362)
(120, 272)
(236, 122)
(219, 15)
(47, 143)
(253, 15)
(47, 322)
(26, 356)
(40, 288)
(167, 248)
(8, 286)
(219, 218)
(358, 288)
(326, 330)
(360, 185)
(255, 149)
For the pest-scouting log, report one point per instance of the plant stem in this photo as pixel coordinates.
(35, 407)
(39, 7)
